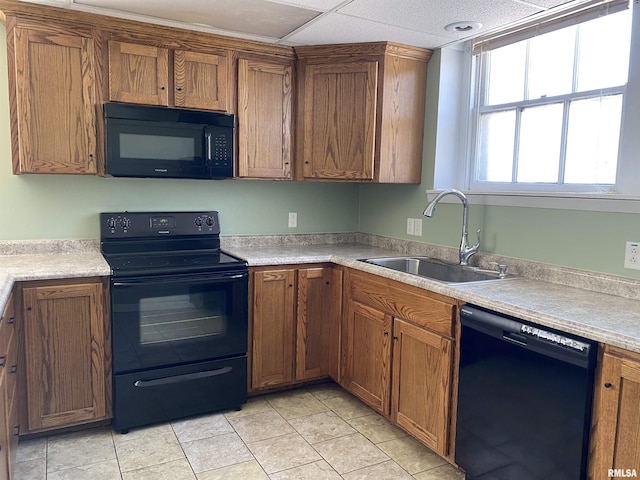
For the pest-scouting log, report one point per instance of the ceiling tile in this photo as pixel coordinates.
(320, 5)
(336, 28)
(432, 15)
(257, 17)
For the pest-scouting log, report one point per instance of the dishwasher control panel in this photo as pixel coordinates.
(553, 338)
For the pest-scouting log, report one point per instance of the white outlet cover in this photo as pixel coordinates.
(410, 226)
(417, 227)
(632, 256)
(293, 219)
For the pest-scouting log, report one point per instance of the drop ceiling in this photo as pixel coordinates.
(309, 22)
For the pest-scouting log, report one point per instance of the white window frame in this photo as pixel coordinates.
(453, 166)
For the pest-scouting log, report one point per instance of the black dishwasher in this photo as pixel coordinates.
(524, 399)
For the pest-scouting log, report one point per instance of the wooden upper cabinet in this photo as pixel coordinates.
(265, 119)
(361, 112)
(152, 75)
(339, 121)
(52, 80)
(138, 73)
(200, 80)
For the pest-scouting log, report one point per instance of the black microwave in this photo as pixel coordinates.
(143, 141)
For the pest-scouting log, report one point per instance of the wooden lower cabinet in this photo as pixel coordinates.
(9, 427)
(421, 387)
(294, 324)
(615, 440)
(367, 344)
(66, 353)
(398, 354)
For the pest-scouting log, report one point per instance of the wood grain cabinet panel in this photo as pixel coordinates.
(65, 342)
(54, 113)
(200, 80)
(361, 112)
(265, 119)
(615, 440)
(273, 328)
(421, 390)
(339, 121)
(9, 428)
(152, 75)
(367, 337)
(317, 320)
(295, 324)
(398, 354)
(138, 73)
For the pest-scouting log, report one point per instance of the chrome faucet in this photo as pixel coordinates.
(465, 250)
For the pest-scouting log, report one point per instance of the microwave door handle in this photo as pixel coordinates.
(207, 134)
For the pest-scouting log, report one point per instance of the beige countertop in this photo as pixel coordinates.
(606, 318)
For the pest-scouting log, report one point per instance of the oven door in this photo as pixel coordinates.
(177, 319)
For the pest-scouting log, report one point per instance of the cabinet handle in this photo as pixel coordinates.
(14, 369)
(16, 430)
(28, 309)
(395, 338)
(386, 334)
(12, 320)
(161, 88)
(607, 385)
(3, 361)
(179, 89)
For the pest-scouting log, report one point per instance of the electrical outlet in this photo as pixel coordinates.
(417, 227)
(293, 219)
(410, 226)
(632, 256)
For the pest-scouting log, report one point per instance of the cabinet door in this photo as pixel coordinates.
(264, 119)
(138, 73)
(5, 430)
(340, 120)
(615, 442)
(200, 80)
(420, 397)
(64, 350)
(318, 315)
(56, 114)
(273, 328)
(367, 354)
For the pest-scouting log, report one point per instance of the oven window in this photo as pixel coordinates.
(157, 147)
(182, 317)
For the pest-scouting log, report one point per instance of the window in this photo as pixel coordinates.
(549, 105)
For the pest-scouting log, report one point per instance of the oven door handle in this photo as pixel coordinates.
(187, 377)
(205, 278)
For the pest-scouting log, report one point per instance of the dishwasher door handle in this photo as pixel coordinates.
(515, 338)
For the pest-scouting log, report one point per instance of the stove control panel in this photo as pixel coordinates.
(148, 224)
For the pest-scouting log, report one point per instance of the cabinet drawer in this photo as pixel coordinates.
(403, 301)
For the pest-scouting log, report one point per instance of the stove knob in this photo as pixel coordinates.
(210, 221)
(111, 223)
(198, 221)
(126, 223)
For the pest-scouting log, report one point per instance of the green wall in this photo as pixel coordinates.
(66, 206)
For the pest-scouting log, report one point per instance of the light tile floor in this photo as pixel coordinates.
(316, 433)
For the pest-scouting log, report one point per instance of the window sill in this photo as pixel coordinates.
(597, 202)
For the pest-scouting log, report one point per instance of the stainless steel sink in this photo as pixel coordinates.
(435, 269)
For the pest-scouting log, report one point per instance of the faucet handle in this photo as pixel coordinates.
(478, 237)
(502, 269)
